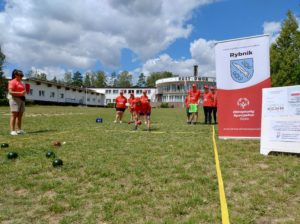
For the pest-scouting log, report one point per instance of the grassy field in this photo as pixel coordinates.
(112, 174)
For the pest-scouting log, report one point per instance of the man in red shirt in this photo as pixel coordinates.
(207, 105)
(194, 95)
(215, 104)
(120, 107)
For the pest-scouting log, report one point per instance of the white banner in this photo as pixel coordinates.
(280, 120)
(242, 70)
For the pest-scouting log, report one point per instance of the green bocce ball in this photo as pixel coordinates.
(57, 163)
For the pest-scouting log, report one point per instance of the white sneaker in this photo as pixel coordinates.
(146, 122)
(115, 121)
(20, 132)
(14, 133)
(121, 122)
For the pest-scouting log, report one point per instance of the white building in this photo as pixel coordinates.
(48, 91)
(112, 92)
(173, 90)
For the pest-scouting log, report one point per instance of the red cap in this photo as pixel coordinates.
(205, 87)
(212, 88)
(194, 85)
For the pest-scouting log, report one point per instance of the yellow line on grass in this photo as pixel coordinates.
(224, 209)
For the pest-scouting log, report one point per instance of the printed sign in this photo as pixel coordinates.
(242, 70)
(280, 120)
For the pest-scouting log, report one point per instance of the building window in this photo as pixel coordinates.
(124, 91)
(88, 99)
(108, 91)
(41, 93)
(131, 91)
(30, 92)
(115, 91)
(61, 95)
(52, 94)
(94, 99)
(149, 91)
(138, 91)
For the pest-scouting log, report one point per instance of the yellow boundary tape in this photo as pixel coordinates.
(224, 209)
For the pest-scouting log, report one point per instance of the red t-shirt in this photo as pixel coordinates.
(215, 103)
(121, 102)
(131, 103)
(194, 96)
(146, 108)
(16, 86)
(208, 99)
(137, 105)
(187, 101)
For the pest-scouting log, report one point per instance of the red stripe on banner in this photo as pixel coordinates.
(239, 111)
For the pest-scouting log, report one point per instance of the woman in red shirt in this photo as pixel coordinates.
(207, 105)
(120, 107)
(16, 97)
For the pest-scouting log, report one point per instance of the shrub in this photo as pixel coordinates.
(110, 105)
(164, 105)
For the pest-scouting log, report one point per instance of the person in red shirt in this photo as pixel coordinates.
(16, 97)
(131, 107)
(144, 100)
(215, 104)
(137, 111)
(120, 102)
(207, 105)
(187, 106)
(194, 95)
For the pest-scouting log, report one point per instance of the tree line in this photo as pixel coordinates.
(99, 79)
(284, 66)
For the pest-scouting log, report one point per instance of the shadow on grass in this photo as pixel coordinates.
(283, 154)
(40, 131)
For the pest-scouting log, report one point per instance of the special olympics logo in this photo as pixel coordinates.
(243, 102)
(241, 70)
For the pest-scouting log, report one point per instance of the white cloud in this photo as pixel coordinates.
(78, 33)
(202, 52)
(273, 29)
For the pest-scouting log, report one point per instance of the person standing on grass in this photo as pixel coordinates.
(16, 97)
(137, 111)
(214, 104)
(120, 107)
(131, 107)
(144, 101)
(187, 107)
(207, 105)
(194, 95)
(146, 112)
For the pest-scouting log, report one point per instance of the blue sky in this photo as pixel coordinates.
(55, 36)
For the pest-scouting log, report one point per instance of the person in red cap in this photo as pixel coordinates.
(137, 106)
(144, 101)
(215, 103)
(120, 103)
(194, 95)
(131, 107)
(207, 105)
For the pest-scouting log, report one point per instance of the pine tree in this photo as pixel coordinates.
(285, 54)
(3, 81)
(142, 80)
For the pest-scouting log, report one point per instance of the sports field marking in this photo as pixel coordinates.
(224, 209)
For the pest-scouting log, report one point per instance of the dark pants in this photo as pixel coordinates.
(207, 115)
(214, 112)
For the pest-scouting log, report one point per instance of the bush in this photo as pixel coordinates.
(164, 105)
(110, 105)
(4, 102)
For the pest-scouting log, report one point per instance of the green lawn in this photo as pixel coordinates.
(112, 174)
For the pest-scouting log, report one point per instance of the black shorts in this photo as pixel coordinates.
(147, 114)
(120, 109)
